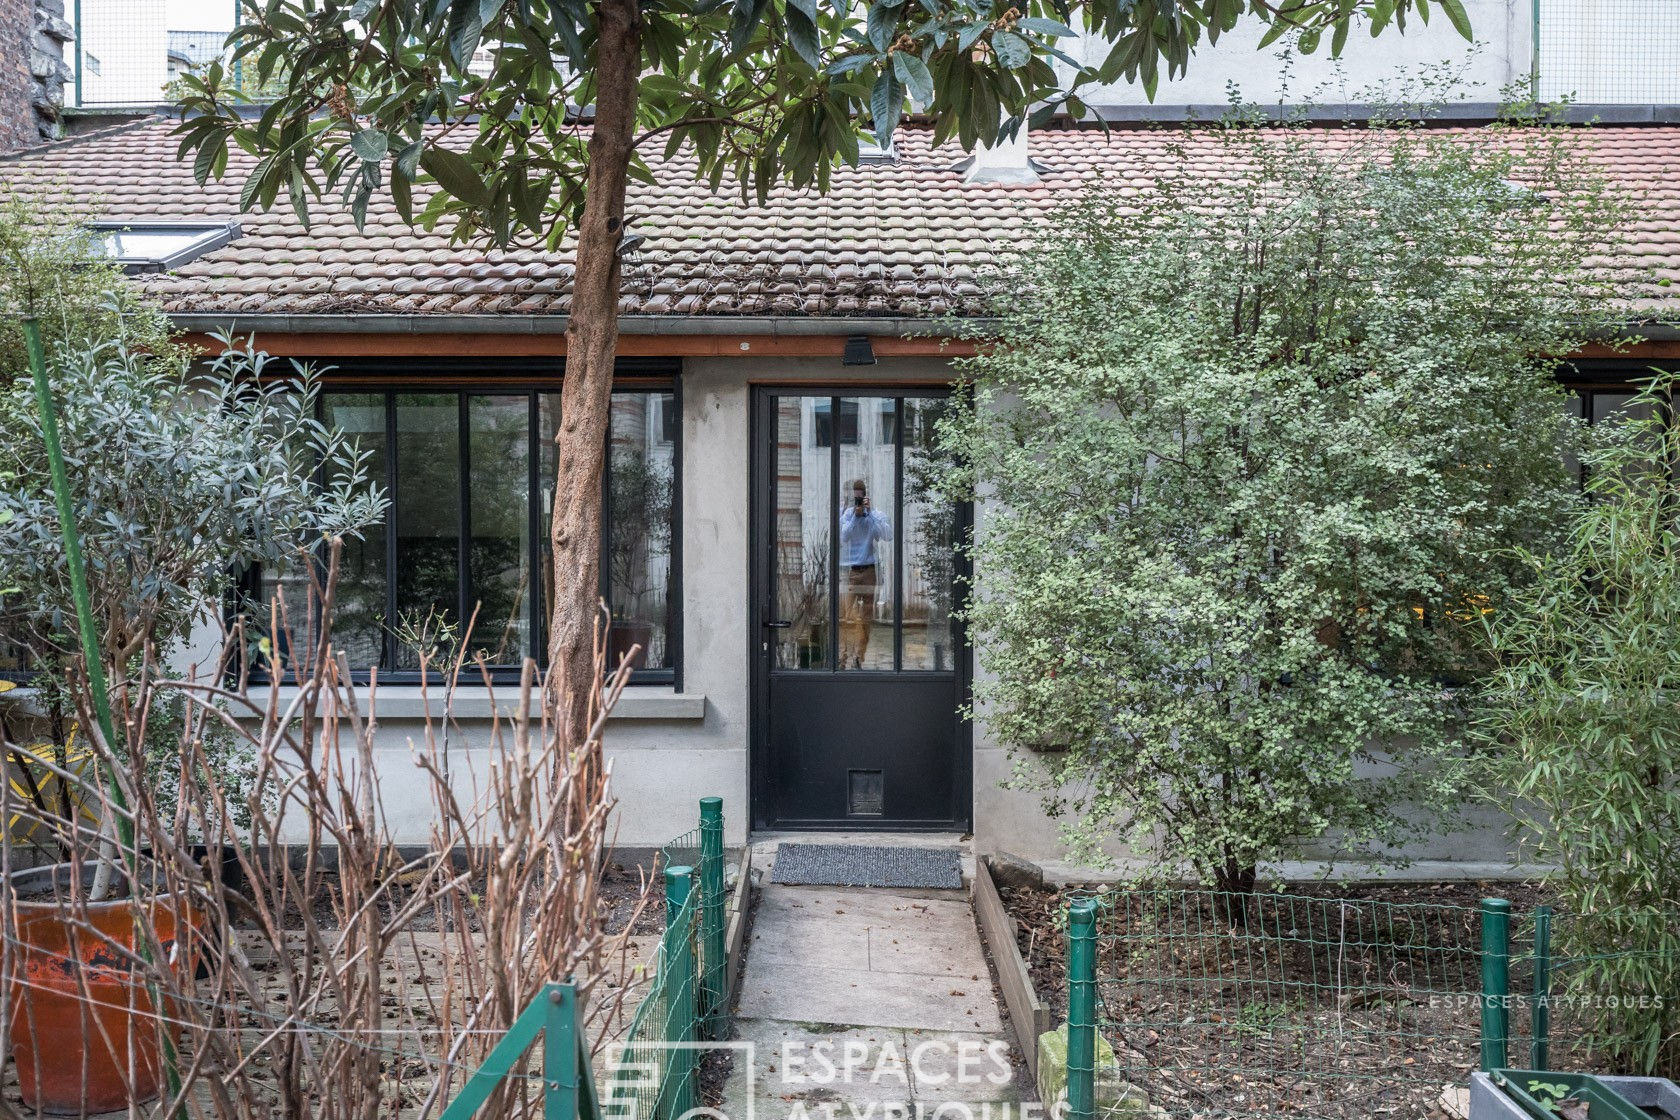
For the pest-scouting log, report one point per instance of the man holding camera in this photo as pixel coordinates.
(861, 527)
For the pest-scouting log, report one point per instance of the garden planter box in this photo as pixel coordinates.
(1027, 1013)
(1652, 1097)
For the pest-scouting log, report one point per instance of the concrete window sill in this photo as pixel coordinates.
(405, 702)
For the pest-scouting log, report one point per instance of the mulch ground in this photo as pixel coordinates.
(1329, 1001)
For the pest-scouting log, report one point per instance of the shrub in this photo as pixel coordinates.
(1584, 733)
(179, 482)
(1253, 452)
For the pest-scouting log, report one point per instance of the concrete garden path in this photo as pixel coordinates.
(870, 1004)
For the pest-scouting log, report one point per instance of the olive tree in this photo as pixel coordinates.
(179, 481)
(1253, 451)
(374, 95)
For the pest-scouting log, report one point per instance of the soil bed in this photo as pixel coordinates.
(1328, 1000)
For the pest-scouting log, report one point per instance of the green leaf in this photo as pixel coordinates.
(1278, 29)
(1459, 17)
(407, 163)
(402, 193)
(913, 73)
(882, 21)
(849, 65)
(802, 34)
(359, 205)
(466, 27)
(456, 175)
(213, 152)
(886, 102)
(370, 144)
(1338, 38)
(1013, 51)
(744, 19)
(1046, 27)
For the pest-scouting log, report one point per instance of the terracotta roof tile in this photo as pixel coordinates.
(908, 239)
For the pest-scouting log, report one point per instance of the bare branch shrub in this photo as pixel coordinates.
(305, 965)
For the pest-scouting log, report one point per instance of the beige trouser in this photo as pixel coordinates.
(857, 614)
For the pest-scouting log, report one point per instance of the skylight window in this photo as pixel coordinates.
(160, 246)
(870, 152)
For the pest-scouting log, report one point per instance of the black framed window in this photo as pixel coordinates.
(822, 417)
(1602, 392)
(463, 552)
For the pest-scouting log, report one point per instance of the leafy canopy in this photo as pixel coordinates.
(1253, 451)
(760, 91)
(1584, 735)
(179, 481)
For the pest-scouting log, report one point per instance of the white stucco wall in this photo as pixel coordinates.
(670, 748)
(1502, 54)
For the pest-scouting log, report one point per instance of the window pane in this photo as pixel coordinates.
(428, 525)
(1614, 406)
(929, 537)
(823, 422)
(499, 552)
(867, 497)
(639, 527)
(804, 489)
(548, 423)
(359, 611)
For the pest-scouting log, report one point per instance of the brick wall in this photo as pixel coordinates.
(33, 72)
(17, 43)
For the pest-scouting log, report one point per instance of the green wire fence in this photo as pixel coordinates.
(656, 1072)
(1245, 1006)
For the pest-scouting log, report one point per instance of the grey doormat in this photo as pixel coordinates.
(855, 865)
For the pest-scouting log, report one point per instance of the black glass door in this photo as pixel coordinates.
(861, 670)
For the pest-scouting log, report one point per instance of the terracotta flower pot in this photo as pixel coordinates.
(84, 1034)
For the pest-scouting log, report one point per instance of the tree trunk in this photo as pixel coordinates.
(586, 395)
(1235, 882)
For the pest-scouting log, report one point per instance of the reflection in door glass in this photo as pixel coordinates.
(867, 501)
(929, 540)
(803, 489)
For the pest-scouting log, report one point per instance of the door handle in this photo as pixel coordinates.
(777, 623)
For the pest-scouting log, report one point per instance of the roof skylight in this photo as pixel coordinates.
(160, 246)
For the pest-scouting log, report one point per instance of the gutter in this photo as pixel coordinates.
(656, 325)
(1452, 115)
(690, 325)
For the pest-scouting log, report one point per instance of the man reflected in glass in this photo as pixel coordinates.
(862, 529)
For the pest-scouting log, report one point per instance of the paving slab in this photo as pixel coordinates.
(860, 997)
(871, 1004)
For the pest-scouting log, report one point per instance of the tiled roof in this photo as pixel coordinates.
(904, 239)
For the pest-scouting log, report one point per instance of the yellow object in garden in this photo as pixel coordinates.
(34, 784)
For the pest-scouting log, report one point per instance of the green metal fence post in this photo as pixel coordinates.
(1082, 1010)
(713, 968)
(1496, 981)
(560, 1054)
(506, 1055)
(682, 1010)
(1540, 1017)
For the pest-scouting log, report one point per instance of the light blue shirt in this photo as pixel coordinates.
(859, 534)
